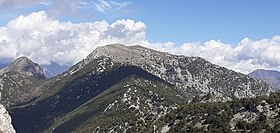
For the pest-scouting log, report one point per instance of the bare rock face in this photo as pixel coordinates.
(5, 121)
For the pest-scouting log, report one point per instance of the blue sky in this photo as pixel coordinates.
(183, 21)
(242, 35)
(202, 20)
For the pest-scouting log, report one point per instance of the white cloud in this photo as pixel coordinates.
(44, 3)
(247, 56)
(104, 5)
(44, 39)
(56, 8)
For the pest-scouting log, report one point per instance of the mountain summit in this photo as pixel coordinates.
(25, 66)
(121, 88)
(191, 75)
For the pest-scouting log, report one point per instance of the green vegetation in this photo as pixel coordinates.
(106, 96)
(81, 102)
(222, 117)
(18, 88)
(122, 116)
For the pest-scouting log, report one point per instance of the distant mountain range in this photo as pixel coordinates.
(54, 69)
(121, 88)
(270, 76)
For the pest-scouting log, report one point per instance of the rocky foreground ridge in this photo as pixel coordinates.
(5, 121)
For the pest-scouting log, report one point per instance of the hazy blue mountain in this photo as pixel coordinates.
(54, 69)
(270, 76)
(2, 65)
(5, 62)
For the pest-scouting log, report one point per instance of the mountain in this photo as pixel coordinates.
(18, 82)
(192, 75)
(54, 69)
(25, 66)
(127, 89)
(270, 76)
(5, 121)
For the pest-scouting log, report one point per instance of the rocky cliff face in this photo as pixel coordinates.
(5, 121)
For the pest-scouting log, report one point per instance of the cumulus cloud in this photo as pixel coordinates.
(44, 39)
(246, 56)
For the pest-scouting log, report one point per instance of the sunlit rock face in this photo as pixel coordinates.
(5, 121)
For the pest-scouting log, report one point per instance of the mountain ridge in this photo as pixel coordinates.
(68, 102)
(172, 68)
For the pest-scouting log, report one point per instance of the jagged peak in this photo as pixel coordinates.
(25, 66)
(21, 61)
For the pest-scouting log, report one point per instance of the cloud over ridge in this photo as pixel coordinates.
(44, 39)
